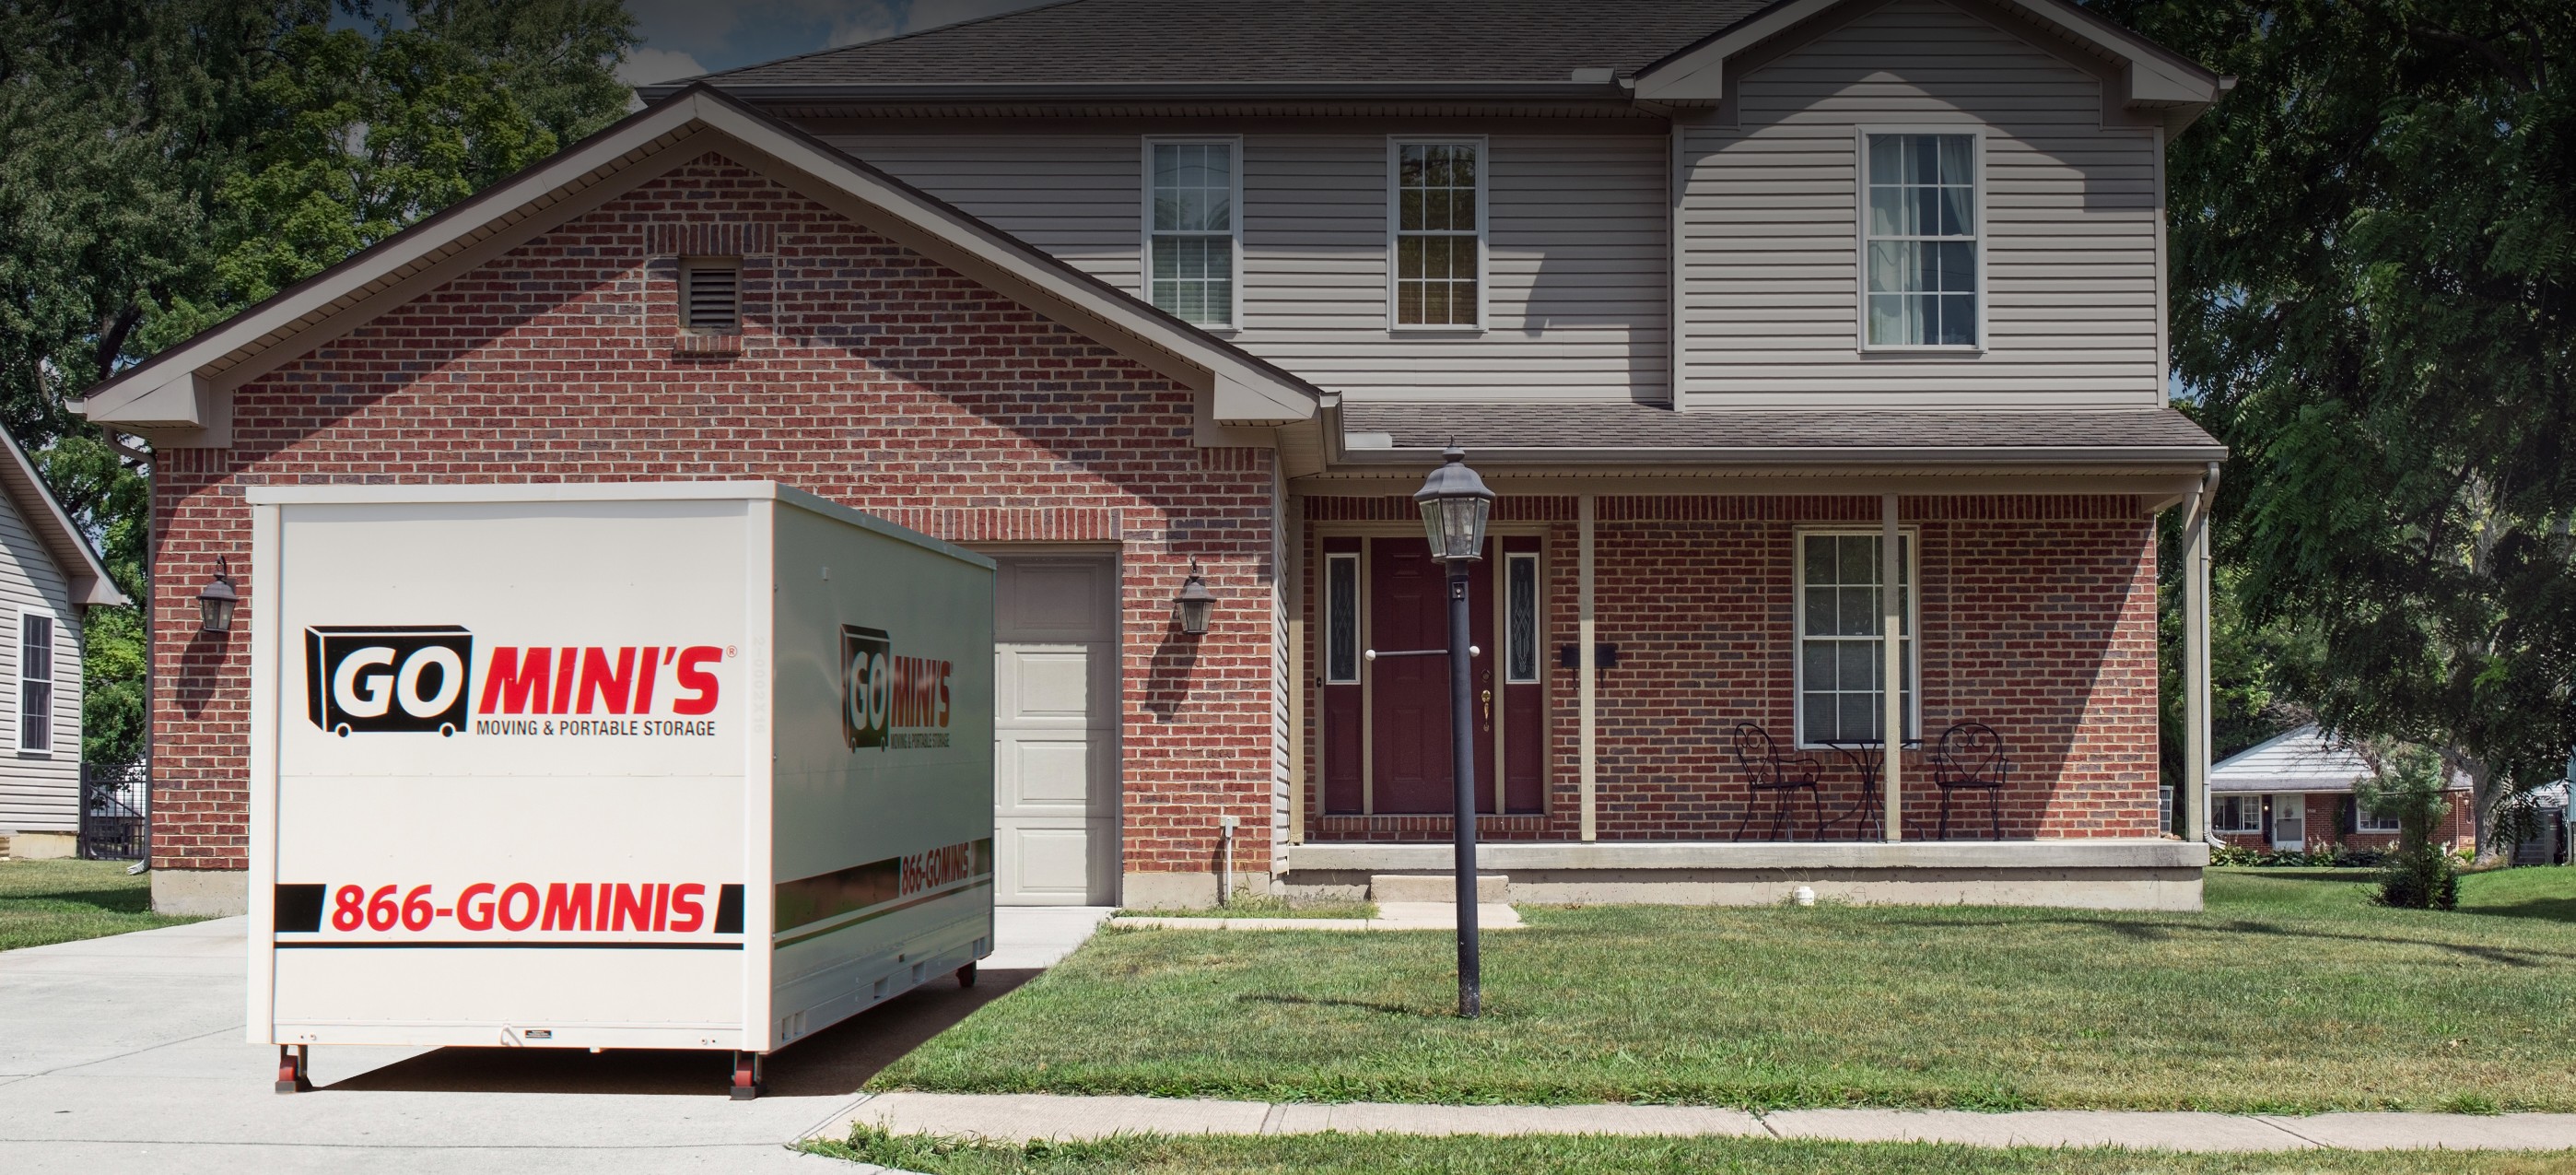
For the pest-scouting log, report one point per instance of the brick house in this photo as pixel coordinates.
(1724, 300)
(2296, 791)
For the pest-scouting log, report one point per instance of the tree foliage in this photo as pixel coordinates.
(2374, 247)
(2410, 785)
(166, 163)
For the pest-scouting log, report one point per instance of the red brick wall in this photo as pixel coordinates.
(865, 373)
(2038, 619)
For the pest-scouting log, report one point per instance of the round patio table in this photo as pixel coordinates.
(1869, 757)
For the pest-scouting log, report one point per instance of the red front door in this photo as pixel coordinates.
(1409, 696)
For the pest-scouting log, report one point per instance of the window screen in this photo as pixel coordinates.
(1192, 240)
(1922, 240)
(1438, 266)
(35, 682)
(1841, 667)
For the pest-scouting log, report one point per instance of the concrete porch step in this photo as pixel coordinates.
(1491, 888)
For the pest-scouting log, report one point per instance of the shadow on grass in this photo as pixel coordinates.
(1309, 1001)
(114, 901)
(2545, 909)
(2168, 931)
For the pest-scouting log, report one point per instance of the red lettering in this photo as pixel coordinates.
(944, 668)
(653, 658)
(600, 684)
(690, 677)
(662, 906)
(686, 914)
(634, 907)
(470, 915)
(511, 684)
(563, 682)
(567, 907)
(513, 918)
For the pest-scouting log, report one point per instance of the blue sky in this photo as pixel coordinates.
(685, 37)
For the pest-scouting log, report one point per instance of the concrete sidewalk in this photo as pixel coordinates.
(1024, 1117)
(126, 1054)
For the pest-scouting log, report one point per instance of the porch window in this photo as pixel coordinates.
(1341, 619)
(1920, 242)
(1439, 219)
(35, 682)
(2236, 813)
(1191, 230)
(1520, 615)
(1841, 647)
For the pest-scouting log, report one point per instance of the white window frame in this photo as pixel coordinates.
(1538, 619)
(53, 680)
(2363, 821)
(1395, 145)
(1359, 639)
(2246, 801)
(1860, 237)
(1145, 218)
(1912, 540)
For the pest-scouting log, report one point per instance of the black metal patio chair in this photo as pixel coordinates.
(1971, 755)
(1766, 769)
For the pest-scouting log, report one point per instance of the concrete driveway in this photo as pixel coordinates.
(126, 1054)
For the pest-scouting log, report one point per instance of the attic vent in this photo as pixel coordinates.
(711, 294)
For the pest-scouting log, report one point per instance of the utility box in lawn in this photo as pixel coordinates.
(680, 765)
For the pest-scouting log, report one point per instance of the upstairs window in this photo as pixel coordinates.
(711, 295)
(1190, 230)
(1920, 251)
(35, 682)
(1439, 218)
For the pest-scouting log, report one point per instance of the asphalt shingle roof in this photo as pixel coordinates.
(1533, 430)
(1292, 42)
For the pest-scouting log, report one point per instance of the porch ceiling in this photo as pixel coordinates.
(1648, 434)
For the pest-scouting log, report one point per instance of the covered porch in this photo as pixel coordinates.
(1680, 688)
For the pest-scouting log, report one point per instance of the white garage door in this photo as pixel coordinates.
(1055, 731)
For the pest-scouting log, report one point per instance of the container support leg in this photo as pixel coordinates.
(746, 1077)
(293, 1072)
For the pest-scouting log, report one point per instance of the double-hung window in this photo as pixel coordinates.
(1439, 231)
(35, 682)
(2364, 821)
(1193, 190)
(1842, 646)
(1921, 255)
(2240, 813)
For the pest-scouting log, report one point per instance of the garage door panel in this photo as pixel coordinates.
(1055, 731)
(1047, 862)
(1050, 772)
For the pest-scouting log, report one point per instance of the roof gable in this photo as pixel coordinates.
(182, 396)
(63, 541)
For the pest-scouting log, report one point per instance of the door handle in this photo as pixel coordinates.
(1489, 707)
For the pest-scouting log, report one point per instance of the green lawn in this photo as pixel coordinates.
(60, 901)
(2290, 993)
(1265, 906)
(1364, 1154)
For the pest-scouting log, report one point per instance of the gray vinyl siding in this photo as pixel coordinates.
(1576, 248)
(1771, 269)
(38, 793)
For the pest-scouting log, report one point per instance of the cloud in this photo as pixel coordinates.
(645, 66)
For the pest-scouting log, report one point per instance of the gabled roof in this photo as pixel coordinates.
(2303, 760)
(53, 528)
(1668, 53)
(1524, 47)
(182, 395)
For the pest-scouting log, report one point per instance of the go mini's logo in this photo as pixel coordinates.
(387, 677)
(882, 693)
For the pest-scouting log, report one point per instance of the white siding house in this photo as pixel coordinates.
(48, 577)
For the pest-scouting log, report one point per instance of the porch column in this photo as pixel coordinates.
(1292, 597)
(1891, 620)
(2194, 792)
(1583, 673)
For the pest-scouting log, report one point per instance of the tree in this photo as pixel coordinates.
(2374, 248)
(166, 163)
(2408, 784)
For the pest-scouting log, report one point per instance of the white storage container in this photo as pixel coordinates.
(664, 765)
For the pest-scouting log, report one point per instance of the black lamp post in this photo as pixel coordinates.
(1455, 506)
(215, 602)
(1194, 603)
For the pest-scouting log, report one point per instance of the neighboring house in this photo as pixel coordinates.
(1721, 298)
(2297, 791)
(49, 577)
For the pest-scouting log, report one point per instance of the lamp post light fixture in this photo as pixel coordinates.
(1455, 507)
(215, 601)
(1195, 603)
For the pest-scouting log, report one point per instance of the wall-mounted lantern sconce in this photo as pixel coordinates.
(1194, 603)
(216, 601)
